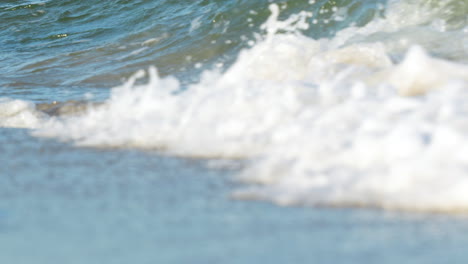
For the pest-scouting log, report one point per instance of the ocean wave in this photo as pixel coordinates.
(372, 115)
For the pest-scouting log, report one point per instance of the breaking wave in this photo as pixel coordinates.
(373, 114)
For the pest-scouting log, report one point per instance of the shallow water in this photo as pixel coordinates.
(65, 204)
(233, 131)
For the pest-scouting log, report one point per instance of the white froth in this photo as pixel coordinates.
(18, 113)
(419, 73)
(341, 121)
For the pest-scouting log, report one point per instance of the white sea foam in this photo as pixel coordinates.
(18, 113)
(359, 119)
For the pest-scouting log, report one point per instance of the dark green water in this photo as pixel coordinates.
(81, 46)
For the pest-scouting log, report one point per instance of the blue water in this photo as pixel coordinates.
(60, 203)
(72, 205)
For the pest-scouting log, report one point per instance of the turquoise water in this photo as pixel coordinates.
(78, 205)
(233, 131)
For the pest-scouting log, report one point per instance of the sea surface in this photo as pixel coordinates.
(234, 131)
